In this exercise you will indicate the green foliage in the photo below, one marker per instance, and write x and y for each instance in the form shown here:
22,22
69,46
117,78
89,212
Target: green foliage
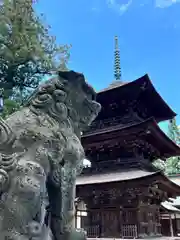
174,132
160,164
27,51
172,165
10,106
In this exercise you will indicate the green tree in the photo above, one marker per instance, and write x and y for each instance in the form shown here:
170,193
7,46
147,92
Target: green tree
173,163
27,51
172,166
160,164
10,106
173,131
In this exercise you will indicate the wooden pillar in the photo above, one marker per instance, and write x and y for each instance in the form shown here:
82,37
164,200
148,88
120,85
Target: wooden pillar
120,221
175,220
138,220
75,215
101,227
74,207
171,225
141,219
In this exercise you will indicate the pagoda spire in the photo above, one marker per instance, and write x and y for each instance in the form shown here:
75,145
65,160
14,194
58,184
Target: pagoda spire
117,68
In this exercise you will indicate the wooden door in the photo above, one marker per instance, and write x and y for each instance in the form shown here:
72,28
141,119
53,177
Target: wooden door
110,226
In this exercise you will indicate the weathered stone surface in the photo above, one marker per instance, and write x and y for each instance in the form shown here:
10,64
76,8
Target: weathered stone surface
41,155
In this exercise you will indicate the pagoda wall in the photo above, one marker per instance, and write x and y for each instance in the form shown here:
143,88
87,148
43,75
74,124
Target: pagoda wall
119,155
116,119
120,210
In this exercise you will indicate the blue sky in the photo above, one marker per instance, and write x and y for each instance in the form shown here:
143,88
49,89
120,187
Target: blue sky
149,40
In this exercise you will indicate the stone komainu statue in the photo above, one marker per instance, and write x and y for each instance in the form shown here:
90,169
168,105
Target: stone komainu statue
41,155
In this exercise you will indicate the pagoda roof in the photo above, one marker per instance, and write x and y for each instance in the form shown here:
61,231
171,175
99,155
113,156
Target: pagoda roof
176,202
169,206
148,131
143,88
113,85
113,177
128,176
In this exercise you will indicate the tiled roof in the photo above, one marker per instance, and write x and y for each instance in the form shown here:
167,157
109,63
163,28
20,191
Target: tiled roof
176,180
112,177
176,201
141,86
114,84
170,207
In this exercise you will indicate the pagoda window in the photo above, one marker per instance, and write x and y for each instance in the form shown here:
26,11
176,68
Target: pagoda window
144,216
129,215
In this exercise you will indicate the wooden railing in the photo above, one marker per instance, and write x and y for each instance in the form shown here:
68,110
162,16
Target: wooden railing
93,231
129,231
149,229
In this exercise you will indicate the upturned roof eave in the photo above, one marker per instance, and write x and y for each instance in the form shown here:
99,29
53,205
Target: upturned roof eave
140,81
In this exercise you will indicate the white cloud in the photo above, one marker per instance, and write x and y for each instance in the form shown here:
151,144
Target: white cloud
119,7
165,3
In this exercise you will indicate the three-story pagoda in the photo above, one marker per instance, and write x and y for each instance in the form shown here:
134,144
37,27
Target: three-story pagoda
122,189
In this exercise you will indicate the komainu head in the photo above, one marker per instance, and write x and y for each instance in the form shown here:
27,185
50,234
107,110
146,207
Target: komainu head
66,96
